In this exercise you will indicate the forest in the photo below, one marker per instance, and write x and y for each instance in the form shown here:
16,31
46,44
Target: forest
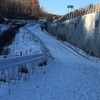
15,8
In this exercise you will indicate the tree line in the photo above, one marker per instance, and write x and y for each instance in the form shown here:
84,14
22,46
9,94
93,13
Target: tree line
19,7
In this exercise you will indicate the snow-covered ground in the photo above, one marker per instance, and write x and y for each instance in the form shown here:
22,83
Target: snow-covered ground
25,43
4,27
69,76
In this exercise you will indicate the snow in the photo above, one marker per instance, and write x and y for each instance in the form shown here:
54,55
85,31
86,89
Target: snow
4,27
16,21
69,76
25,43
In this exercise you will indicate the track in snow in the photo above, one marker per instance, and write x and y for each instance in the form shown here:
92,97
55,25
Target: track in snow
77,77
68,77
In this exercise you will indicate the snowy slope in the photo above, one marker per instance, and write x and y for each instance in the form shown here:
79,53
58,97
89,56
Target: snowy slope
4,27
24,43
68,76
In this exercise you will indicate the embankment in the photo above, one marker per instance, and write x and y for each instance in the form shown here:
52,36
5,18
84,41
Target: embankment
79,29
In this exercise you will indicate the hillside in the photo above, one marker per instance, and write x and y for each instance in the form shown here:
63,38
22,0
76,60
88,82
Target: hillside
27,9
68,76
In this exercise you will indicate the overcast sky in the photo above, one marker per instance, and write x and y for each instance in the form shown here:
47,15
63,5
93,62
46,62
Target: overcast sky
60,6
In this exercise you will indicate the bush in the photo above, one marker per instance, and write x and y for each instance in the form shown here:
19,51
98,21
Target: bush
23,69
1,20
42,63
2,80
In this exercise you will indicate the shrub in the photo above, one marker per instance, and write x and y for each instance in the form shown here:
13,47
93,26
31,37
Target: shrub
2,80
1,20
42,63
23,69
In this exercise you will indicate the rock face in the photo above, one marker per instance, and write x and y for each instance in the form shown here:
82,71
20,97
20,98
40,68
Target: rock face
81,31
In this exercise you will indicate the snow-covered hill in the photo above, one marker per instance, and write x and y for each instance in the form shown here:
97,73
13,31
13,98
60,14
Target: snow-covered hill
69,76
25,43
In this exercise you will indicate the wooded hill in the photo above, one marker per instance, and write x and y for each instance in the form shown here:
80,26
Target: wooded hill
22,9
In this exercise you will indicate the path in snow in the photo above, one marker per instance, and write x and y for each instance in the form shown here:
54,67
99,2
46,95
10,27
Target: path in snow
74,77
68,77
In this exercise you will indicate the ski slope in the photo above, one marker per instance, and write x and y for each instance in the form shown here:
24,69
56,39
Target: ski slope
68,76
